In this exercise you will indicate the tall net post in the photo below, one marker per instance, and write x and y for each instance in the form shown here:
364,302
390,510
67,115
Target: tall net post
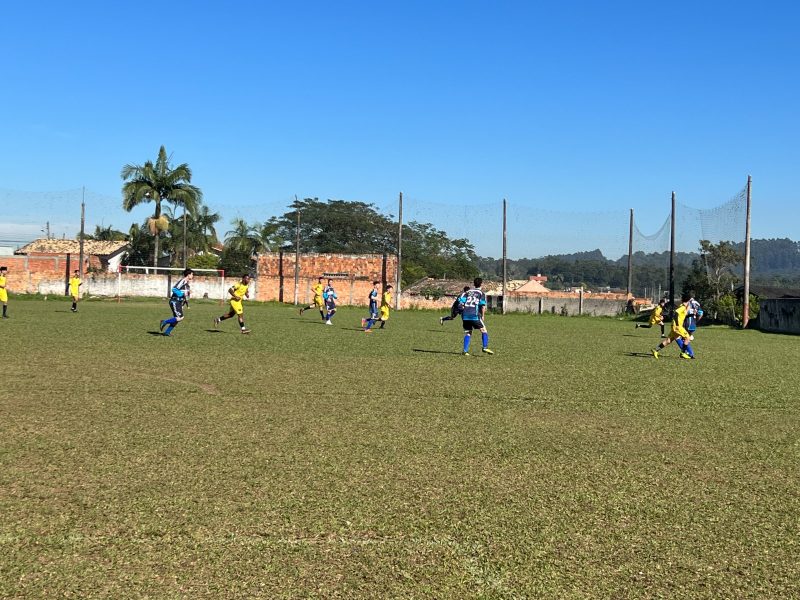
746,307
505,257
630,256
672,256
399,251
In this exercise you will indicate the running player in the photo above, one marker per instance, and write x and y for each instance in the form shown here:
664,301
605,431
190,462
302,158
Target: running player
678,333
4,290
319,301
238,292
329,295
456,308
656,317
373,306
177,300
75,284
693,315
386,303
472,316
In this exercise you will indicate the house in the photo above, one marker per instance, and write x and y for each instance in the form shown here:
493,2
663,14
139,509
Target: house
98,255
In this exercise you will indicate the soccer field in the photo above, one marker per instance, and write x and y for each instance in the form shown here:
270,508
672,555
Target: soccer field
307,461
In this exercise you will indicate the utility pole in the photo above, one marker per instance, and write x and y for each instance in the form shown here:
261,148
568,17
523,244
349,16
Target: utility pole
399,253
630,256
505,257
184,234
297,256
746,309
83,221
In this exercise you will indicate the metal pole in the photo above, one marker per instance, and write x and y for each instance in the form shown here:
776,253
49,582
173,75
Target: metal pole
505,257
672,256
746,309
399,253
297,256
83,221
630,257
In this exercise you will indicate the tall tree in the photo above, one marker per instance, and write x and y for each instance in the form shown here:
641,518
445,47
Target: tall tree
158,182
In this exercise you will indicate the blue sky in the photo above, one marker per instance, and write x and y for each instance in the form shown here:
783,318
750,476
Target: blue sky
577,106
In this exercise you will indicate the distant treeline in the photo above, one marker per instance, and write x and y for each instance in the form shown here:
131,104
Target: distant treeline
773,262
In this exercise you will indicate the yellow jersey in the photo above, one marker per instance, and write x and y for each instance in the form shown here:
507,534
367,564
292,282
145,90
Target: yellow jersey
317,289
386,300
74,285
677,323
2,282
656,315
3,291
239,290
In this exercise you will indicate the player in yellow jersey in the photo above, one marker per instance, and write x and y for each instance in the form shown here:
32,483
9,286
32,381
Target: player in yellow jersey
319,301
386,302
656,317
75,284
678,333
4,290
238,292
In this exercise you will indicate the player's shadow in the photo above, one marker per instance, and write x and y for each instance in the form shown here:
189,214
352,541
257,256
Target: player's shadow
158,333
629,335
640,354
436,351
214,331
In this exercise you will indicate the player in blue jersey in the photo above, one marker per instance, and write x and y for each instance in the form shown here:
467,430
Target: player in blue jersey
329,295
693,315
472,315
456,308
374,294
177,300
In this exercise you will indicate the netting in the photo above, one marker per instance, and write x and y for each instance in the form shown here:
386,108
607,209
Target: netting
722,223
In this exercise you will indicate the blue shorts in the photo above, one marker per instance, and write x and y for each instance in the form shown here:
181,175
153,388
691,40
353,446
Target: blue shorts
176,305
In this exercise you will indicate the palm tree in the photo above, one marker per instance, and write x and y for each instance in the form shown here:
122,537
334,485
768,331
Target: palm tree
243,237
157,183
205,221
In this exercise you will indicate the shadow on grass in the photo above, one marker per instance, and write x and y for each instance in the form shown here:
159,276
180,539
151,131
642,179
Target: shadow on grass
214,331
436,351
158,333
641,355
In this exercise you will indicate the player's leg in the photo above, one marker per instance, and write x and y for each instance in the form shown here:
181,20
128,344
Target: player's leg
485,338
467,337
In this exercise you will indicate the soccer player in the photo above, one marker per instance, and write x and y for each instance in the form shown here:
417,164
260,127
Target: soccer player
238,292
319,301
656,317
678,333
177,300
456,308
4,291
329,295
386,303
693,315
474,302
373,306
74,289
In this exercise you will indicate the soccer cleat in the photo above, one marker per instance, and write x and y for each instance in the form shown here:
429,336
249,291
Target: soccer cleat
465,354
301,311
637,326
167,334
441,320
328,322
487,351
654,353
368,331
363,322
685,355
162,325
216,322
245,331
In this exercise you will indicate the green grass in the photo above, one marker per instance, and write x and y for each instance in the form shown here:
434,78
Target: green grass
309,461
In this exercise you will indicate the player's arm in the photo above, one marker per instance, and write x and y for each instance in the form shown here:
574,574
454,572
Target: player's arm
233,294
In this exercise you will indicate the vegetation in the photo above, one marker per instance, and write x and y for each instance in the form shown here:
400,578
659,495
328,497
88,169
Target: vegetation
159,182
306,461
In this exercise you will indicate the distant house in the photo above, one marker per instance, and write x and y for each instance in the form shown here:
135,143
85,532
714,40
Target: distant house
98,255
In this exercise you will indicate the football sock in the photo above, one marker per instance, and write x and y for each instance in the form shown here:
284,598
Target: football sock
370,323
485,338
467,338
383,324
74,305
5,306
169,329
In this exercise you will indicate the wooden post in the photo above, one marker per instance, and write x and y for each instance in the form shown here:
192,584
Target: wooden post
66,277
297,257
672,256
746,308
505,257
83,220
399,253
280,275
630,257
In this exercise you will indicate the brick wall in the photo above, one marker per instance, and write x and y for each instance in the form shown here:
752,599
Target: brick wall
352,275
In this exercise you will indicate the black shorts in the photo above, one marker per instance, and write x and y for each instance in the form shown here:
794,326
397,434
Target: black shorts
177,307
470,324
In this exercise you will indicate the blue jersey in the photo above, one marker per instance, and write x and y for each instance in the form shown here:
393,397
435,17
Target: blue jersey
180,291
473,302
373,301
329,295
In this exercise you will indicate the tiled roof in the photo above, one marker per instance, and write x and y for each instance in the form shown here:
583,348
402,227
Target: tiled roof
93,247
